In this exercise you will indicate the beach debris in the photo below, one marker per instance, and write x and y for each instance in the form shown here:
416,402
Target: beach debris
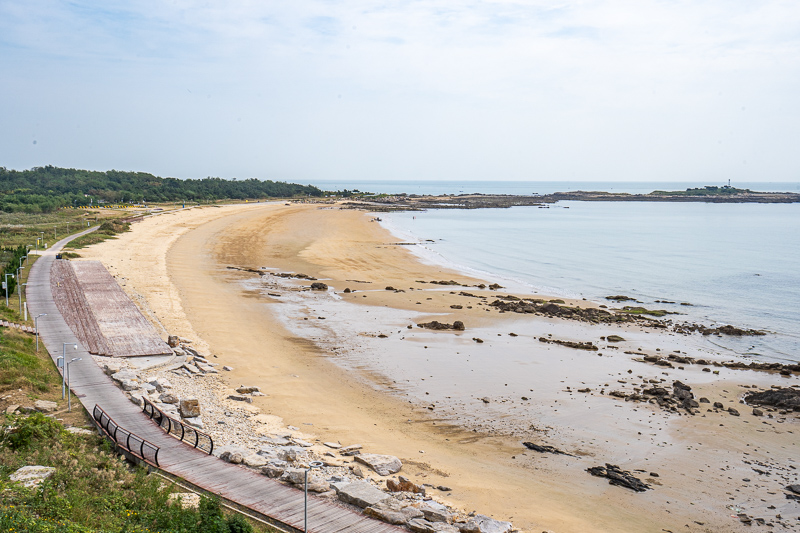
545,449
571,344
189,407
435,324
403,484
319,286
384,465
360,494
619,477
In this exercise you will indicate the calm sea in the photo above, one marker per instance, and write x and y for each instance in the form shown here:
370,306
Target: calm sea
735,263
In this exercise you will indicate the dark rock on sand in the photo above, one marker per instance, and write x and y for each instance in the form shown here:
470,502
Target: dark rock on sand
617,476
457,325
545,449
785,398
319,286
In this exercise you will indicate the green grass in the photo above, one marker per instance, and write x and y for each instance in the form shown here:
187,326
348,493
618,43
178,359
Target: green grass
92,489
20,366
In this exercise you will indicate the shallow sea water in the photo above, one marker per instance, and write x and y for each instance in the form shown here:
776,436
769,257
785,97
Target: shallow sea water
734,263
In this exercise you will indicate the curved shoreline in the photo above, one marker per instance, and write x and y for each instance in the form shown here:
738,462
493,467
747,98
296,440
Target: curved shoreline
236,324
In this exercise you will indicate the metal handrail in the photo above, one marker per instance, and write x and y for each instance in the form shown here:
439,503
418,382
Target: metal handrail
179,430
137,446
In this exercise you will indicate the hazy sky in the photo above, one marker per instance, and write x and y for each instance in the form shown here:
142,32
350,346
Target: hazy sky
302,90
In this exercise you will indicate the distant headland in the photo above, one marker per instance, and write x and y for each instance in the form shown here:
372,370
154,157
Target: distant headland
411,202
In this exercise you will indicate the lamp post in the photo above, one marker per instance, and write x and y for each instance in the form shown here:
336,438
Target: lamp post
63,365
69,397
36,327
5,286
313,465
20,296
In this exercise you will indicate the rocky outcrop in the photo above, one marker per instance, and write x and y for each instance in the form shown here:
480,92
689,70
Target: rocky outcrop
619,477
457,325
782,398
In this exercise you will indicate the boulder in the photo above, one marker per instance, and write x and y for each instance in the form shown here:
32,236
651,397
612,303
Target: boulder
231,456
173,341
111,368
247,390
168,397
240,398
32,476
272,471
44,406
432,514
490,525
129,384
318,286
386,515
161,384
361,494
124,375
384,465
420,525
194,421
189,407
254,460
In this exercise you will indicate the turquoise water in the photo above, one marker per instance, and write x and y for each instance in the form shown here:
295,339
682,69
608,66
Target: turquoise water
735,263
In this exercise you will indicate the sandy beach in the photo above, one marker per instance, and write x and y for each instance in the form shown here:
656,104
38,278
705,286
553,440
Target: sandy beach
345,367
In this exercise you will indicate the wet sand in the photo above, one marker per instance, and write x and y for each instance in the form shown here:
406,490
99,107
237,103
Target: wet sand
353,386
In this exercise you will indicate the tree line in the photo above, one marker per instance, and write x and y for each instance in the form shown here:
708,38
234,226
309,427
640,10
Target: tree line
45,189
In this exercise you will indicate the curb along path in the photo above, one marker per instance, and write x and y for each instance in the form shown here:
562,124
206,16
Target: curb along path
282,505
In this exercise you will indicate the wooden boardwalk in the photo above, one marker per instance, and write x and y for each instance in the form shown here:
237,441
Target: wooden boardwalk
283,505
97,309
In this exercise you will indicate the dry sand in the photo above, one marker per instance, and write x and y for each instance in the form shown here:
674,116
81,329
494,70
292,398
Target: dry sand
176,268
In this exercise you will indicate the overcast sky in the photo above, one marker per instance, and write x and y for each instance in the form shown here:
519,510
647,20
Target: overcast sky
304,90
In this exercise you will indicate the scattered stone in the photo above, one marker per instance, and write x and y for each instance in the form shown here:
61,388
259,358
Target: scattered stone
403,484
386,515
361,494
489,525
247,390
758,412
161,384
168,397
334,445
435,324
319,286
254,460
733,411
32,476
227,368
11,409
433,514
194,421
189,407
351,448
272,471
617,476
420,525
614,338
173,341
384,465
240,398
44,406
232,456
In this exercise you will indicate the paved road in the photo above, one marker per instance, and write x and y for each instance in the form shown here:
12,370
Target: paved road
284,505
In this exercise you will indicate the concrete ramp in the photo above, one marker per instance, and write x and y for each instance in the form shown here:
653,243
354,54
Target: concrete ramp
99,312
